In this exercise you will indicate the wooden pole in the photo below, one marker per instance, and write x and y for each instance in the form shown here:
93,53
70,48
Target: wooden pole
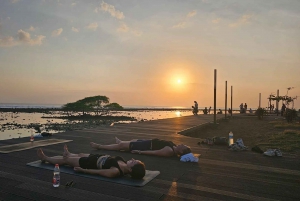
225,99
215,96
259,100
231,101
277,103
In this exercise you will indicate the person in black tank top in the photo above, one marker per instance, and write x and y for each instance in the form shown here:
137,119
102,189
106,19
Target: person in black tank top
157,147
104,165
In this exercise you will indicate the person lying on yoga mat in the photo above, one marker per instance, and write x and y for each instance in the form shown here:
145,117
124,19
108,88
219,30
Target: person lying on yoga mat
104,165
155,147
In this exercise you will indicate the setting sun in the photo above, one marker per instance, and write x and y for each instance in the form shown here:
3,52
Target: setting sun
179,81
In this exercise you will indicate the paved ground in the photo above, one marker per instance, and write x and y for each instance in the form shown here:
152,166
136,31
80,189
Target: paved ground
219,175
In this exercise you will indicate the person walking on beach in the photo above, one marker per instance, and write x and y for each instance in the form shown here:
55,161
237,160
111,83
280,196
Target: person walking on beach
103,165
195,108
155,147
209,109
245,107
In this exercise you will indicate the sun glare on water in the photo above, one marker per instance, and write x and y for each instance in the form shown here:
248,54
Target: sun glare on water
178,114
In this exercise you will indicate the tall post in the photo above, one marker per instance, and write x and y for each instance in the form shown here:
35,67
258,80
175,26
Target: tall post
215,97
277,103
231,102
225,99
259,100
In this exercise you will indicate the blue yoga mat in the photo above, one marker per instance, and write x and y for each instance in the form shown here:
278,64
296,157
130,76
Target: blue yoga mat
126,180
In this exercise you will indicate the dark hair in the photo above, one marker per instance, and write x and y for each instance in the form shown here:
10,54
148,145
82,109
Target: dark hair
138,171
187,150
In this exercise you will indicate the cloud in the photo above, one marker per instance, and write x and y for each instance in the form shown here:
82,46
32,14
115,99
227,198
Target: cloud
92,26
123,28
192,13
14,1
31,28
216,21
180,25
73,4
7,42
24,37
242,21
136,32
57,32
74,29
111,9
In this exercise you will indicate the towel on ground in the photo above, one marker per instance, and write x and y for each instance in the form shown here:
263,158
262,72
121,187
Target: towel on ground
189,158
238,145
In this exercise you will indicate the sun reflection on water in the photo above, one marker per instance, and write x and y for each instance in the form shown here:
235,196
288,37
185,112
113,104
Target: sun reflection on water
178,113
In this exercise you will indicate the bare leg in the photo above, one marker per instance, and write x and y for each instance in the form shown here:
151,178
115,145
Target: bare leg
121,146
72,161
118,141
68,154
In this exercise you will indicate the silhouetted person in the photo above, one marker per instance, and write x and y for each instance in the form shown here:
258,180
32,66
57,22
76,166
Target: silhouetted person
229,111
241,108
195,108
283,109
220,112
209,110
205,110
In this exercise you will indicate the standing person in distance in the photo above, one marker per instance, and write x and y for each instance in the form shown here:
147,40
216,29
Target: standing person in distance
195,108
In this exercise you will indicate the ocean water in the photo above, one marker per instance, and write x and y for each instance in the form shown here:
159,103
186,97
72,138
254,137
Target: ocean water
15,125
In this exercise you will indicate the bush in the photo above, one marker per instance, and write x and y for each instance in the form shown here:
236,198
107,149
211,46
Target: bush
290,115
260,113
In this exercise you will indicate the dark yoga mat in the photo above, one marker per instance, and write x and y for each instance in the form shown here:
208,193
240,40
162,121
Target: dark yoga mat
126,180
29,145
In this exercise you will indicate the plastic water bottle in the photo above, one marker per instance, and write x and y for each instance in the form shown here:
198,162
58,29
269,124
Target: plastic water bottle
56,176
230,138
31,137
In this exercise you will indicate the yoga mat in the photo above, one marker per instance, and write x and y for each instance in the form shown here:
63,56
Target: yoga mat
125,180
30,145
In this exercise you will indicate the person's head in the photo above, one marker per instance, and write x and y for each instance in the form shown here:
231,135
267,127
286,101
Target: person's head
182,149
138,169
195,101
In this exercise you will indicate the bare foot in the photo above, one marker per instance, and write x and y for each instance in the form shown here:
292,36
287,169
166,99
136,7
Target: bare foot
118,140
94,145
41,155
66,153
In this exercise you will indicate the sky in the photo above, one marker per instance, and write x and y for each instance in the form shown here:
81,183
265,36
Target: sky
149,53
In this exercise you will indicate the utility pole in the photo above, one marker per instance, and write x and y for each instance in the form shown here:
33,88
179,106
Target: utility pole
231,101
225,99
215,96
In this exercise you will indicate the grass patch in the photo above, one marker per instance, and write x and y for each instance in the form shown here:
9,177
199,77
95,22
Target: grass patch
287,126
288,140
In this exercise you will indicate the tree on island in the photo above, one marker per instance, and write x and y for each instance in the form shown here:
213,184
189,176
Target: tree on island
93,103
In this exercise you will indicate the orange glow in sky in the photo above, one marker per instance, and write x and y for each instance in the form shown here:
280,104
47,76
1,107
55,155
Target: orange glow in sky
149,53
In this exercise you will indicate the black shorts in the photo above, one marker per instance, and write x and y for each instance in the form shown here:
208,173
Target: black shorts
89,162
141,145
